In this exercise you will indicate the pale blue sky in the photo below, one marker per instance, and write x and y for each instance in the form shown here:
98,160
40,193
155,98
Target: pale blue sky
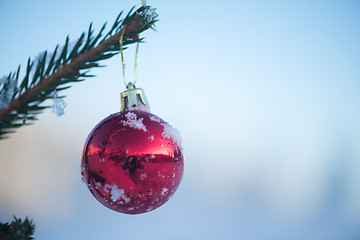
264,93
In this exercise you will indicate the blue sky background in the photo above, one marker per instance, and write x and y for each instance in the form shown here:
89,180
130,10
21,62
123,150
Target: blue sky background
264,93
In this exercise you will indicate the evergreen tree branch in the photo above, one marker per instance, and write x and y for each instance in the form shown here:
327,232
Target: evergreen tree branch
17,229
21,103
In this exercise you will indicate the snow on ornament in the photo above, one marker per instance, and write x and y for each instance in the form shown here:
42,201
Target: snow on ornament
132,161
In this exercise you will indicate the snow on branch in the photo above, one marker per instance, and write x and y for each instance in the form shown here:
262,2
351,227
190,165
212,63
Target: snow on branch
53,72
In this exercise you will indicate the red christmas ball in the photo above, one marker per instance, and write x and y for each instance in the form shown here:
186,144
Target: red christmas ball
132,161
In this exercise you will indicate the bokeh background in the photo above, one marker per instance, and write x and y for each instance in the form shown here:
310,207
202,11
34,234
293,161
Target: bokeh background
265,94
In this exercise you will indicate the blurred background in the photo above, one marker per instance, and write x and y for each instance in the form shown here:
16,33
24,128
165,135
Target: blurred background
264,93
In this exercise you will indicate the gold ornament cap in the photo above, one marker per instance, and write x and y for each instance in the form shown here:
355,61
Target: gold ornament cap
132,97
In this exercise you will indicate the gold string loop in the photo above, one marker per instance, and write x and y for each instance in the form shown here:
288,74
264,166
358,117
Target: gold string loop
136,59
122,54
123,62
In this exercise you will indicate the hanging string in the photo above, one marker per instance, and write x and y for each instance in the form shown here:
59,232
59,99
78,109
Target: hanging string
122,57
136,59
122,54
136,53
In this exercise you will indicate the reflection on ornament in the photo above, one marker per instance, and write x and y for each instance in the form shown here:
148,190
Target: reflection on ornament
132,161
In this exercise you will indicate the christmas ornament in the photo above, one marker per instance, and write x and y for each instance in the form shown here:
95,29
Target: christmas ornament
132,161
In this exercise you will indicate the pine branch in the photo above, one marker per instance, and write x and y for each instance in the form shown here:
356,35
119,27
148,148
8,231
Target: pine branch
21,103
17,229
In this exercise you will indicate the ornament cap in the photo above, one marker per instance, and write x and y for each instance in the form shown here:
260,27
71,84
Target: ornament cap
132,97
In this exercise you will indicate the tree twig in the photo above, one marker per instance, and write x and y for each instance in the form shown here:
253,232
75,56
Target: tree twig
70,66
